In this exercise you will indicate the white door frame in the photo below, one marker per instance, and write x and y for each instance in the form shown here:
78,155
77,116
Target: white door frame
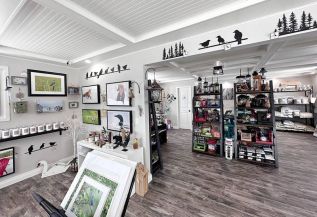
178,110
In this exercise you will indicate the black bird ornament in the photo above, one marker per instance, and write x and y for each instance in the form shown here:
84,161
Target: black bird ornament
205,44
42,146
30,149
119,68
221,40
238,36
106,71
125,67
87,75
52,143
112,70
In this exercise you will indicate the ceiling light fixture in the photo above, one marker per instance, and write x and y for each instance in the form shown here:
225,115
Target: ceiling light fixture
88,61
218,68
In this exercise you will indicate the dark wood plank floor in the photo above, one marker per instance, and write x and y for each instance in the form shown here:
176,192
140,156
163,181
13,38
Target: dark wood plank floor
198,185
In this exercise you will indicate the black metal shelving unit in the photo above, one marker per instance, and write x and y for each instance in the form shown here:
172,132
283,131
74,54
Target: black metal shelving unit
34,134
201,140
308,107
155,141
261,148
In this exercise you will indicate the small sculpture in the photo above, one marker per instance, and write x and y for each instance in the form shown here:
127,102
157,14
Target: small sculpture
135,143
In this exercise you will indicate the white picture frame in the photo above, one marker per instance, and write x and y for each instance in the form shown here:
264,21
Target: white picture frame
97,166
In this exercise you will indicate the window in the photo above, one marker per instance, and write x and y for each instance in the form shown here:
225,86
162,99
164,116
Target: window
4,95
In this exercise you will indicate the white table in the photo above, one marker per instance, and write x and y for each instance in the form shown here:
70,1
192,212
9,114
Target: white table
83,147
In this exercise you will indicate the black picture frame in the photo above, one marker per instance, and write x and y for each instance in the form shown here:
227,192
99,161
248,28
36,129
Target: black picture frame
97,97
120,111
98,121
13,159
30,83
127,93
71,105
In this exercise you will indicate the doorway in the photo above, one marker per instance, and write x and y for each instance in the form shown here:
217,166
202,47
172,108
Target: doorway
185,114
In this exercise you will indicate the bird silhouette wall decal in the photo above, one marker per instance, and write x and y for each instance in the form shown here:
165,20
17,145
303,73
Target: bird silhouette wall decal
42,146
205,44
238,36
52,143
125,67
30,149
221,40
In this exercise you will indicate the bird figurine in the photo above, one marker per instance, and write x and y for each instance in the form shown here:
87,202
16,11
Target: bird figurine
30,149
42,146
52,143
125,67
96,73
238,36
205,44
87,75
54,170
112,70
106,71
119,68
221,40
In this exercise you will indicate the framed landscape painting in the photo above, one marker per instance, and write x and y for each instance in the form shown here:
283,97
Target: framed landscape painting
42,83
91,94
117,119
91,116
7,162
118,93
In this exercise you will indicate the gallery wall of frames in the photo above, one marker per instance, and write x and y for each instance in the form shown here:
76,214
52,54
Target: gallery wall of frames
43,98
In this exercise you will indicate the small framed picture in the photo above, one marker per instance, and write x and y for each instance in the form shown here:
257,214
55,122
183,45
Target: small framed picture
7,162
73,90
16,80
118,93
91,94
73,105
91,116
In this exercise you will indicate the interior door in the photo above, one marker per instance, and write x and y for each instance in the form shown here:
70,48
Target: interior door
185,107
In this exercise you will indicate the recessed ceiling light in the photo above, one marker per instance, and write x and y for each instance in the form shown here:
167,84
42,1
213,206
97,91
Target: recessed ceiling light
88,61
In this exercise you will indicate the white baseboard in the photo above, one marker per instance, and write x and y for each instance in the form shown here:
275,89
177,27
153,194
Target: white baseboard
28,174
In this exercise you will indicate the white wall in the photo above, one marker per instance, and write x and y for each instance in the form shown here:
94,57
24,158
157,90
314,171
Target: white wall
25,162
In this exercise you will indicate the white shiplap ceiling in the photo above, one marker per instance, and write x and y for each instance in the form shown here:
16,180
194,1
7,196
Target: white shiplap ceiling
74,30
63,31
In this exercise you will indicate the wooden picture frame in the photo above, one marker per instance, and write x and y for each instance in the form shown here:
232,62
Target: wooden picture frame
118,118
43,83
7,161
117,93
91,116
91,94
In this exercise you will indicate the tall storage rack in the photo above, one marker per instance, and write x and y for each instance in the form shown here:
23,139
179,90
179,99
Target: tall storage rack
307,107
249,147
204,129
155,141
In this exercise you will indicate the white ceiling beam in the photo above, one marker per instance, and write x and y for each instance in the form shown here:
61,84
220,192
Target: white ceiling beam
98,52
175,66
227,8
271,50
21,53
88,19
11,17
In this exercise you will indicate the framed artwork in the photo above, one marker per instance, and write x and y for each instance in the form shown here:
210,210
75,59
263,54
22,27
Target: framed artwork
118,93
116,119
7,162
17,80
91,94
48,106
91,116
73,90
100,187
41,83
73,105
